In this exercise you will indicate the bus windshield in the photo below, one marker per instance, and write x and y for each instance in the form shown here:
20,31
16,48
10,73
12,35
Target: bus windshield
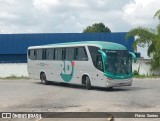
118,62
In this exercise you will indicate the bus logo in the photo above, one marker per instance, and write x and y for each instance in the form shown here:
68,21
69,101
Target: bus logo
67,70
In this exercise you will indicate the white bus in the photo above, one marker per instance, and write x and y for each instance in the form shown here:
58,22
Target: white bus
91,63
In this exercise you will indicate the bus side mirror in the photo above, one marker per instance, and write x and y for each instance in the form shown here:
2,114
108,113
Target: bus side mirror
134,56
104,56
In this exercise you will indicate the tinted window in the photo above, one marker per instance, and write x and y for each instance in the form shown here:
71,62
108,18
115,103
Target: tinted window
63,53
35,54
58,54
99,63
118,62
31,54
44,54
39,54
94,52
50,54
69,54
80,54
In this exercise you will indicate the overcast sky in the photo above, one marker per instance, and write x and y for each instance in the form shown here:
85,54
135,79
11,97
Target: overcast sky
72,16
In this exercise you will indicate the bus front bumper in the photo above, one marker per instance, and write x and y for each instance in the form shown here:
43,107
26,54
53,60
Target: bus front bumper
118,82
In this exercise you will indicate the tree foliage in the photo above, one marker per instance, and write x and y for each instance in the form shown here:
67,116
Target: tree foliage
144,36
97,27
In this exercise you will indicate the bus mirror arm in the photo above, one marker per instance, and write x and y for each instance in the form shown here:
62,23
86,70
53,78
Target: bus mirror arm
134,56
104,56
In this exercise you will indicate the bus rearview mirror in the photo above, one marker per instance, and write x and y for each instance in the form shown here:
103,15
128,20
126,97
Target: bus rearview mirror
134,56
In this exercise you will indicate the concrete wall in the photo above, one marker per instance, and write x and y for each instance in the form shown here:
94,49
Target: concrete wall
144,67
16,69
20,69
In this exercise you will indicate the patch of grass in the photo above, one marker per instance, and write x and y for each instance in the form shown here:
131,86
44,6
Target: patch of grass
13,77
144,76
137,75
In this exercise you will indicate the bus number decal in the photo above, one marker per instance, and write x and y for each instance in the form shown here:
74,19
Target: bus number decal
67,69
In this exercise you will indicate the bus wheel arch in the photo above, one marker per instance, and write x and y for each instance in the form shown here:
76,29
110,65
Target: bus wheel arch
43,78
86,81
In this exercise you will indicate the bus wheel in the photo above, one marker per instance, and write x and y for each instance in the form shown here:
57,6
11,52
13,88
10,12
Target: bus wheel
88,83
43,79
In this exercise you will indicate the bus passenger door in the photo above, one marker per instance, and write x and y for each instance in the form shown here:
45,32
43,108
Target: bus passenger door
99,63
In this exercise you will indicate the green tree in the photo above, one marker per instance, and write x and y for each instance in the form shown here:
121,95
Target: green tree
97,27
148,37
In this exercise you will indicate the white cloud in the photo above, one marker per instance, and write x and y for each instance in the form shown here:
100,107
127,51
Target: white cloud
42,16
141,12
8,16
45,5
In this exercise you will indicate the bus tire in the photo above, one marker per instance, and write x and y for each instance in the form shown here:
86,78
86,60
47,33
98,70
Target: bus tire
43,79
88,83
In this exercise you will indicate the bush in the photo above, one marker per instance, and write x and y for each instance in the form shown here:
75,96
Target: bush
135,72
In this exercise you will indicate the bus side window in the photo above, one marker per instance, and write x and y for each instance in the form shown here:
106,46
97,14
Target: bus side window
44,54
69,54
99,64
76,54
35,55
50,54
63,53
81,54
58,54
55,54
39,54
31,54
94,52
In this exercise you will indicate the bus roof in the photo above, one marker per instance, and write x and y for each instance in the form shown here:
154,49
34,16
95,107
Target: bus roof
100,44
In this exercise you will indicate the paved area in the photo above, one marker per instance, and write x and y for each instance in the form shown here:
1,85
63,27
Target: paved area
31,96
